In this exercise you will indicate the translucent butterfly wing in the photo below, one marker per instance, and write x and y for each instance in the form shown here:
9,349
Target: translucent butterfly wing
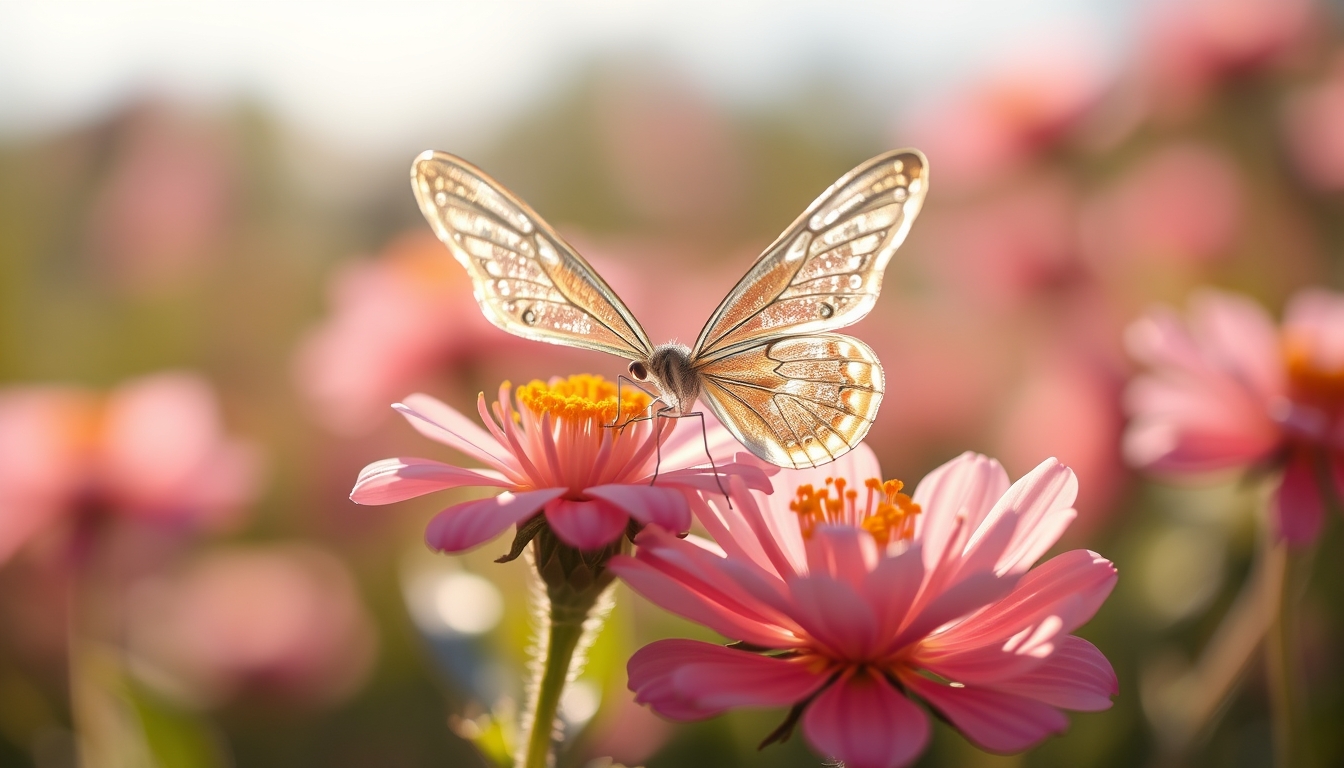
825,271
799,401
527,280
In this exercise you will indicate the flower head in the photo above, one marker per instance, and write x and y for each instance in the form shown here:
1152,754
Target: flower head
154,450
552,448
1228,390
853,600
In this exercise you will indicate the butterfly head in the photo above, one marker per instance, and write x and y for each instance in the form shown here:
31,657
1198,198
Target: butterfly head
669,369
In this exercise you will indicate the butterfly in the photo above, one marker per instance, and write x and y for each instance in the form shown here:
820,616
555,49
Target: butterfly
765,363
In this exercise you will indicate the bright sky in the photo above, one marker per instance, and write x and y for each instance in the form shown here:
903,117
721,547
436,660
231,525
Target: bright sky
377,75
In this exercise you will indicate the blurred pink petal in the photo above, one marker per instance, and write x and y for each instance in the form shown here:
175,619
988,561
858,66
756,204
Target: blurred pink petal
1195,45
280,620
1025,105
1314,127
554,438
992,720
888,586
395,322
153,450
1229,392
1182,203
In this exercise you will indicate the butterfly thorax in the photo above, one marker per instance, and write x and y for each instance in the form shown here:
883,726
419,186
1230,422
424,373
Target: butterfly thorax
670,369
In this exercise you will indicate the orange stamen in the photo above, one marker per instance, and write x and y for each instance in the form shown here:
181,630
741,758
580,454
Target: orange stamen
887,514
582,397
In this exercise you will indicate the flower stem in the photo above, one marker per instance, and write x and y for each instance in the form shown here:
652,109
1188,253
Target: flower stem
577,600
562,641
1282,670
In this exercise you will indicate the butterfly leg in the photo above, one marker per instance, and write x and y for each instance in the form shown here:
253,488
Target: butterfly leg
621,378
666,413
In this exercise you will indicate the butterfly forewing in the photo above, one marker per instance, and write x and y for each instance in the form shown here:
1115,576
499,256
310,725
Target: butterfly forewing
825,271
527,280
799,401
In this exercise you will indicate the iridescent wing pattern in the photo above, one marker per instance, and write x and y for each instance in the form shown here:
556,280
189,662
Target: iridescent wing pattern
825,271
797,401
527,280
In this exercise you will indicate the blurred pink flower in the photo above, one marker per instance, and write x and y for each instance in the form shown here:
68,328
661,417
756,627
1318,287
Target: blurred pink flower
395,321
1193,45
1228,390
1011,248
853,598
279,620
1314,123
167,199
1069,404
1182,203
1024,106
555,454
153,450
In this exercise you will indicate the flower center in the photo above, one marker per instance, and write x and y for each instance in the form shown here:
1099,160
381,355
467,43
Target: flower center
582,397
886,513
1309,380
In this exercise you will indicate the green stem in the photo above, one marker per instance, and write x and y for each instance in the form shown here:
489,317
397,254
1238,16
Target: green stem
577,588
562,641
1282,672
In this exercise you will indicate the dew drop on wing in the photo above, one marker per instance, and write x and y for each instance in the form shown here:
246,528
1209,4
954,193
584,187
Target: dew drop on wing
529,316
826,310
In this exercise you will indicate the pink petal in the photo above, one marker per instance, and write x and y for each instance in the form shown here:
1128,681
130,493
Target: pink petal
957,495
966,596
1240,337
586,525
1071,587
443,424
842,552
992,720
691,680
864,722
834,614
1195,425
1076,676
391,480
1298,509
648,504
471,523
891,588
704,479
734,599
855,467
1048,489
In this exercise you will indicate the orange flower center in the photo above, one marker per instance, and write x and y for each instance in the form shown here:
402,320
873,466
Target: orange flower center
582,397
1308,380
886,513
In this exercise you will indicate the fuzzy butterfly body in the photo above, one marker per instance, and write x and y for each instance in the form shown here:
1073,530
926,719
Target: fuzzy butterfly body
766,363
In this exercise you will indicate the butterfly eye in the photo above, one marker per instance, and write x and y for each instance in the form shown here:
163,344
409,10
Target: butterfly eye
638,371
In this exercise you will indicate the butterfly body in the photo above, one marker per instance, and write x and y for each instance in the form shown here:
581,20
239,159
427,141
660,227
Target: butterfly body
766,362
671,369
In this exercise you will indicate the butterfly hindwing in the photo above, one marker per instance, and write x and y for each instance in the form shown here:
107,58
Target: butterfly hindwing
798,401
527,280
825,271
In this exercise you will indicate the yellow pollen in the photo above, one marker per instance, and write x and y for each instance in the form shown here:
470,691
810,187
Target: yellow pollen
887,514
582,396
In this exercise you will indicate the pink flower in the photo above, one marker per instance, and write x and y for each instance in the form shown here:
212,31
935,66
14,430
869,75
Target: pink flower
1181,203
152,450
1026,105
1193,45
283,620
555,454
1231,391
395,321
850,610
1314,123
